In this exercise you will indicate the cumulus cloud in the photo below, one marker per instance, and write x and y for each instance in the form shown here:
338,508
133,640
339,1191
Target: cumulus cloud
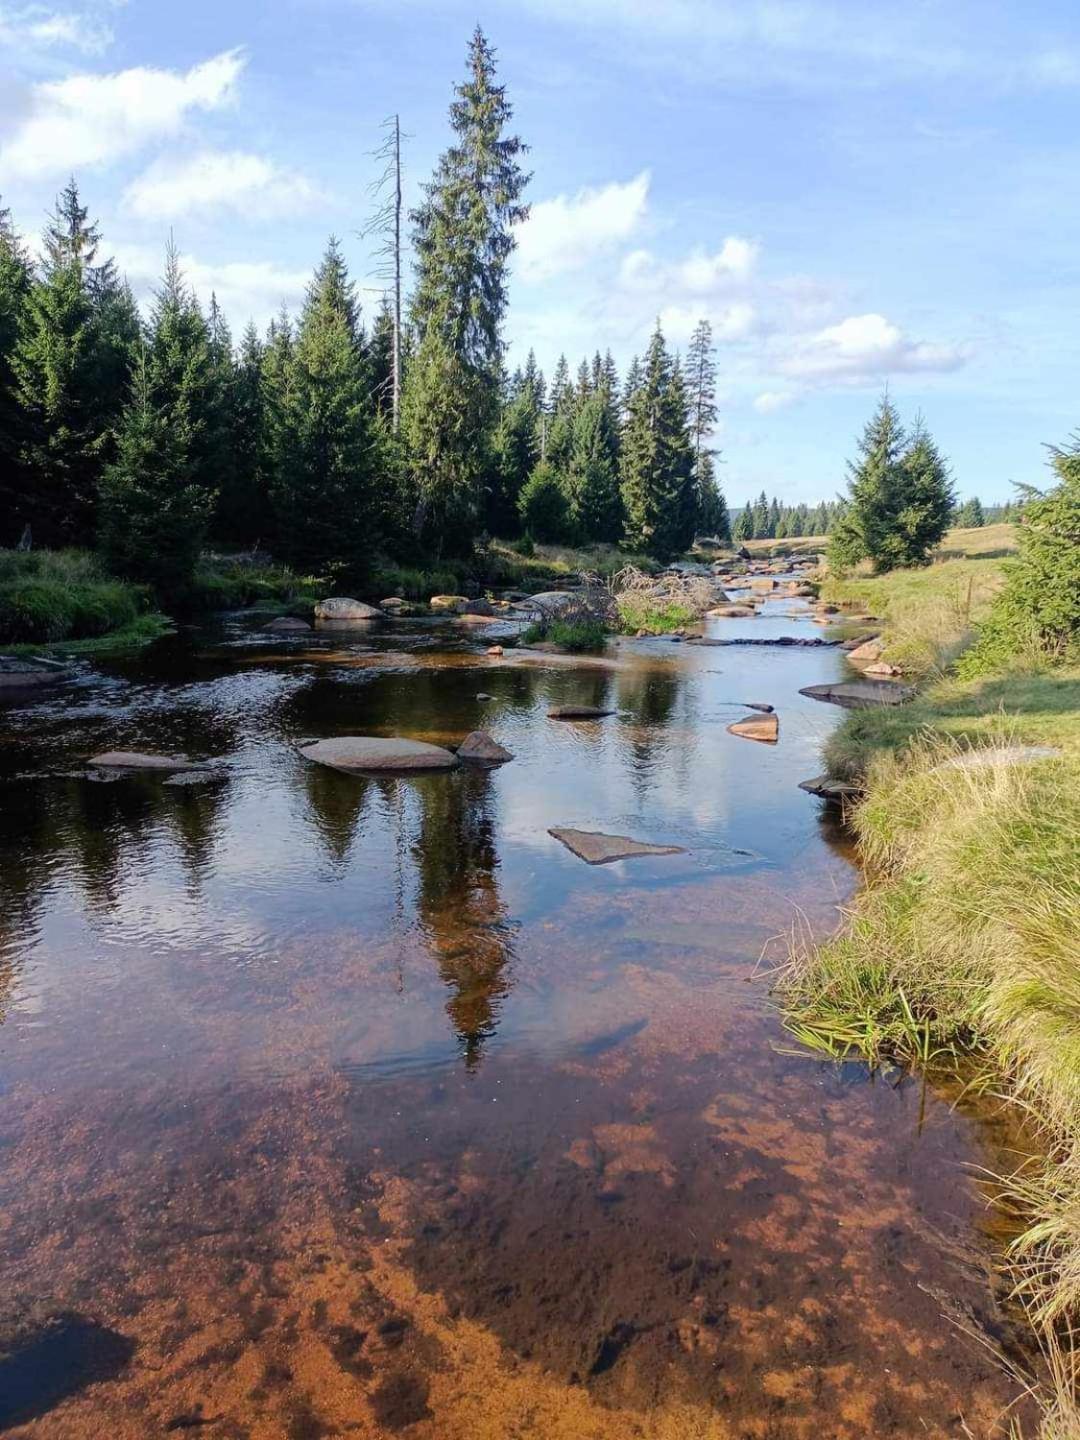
245,289
219,180
87,120
565,233
700,273
862,348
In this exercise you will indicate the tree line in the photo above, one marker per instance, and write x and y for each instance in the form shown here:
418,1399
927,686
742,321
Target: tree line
154,437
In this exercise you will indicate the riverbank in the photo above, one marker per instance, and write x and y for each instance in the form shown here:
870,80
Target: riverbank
962,947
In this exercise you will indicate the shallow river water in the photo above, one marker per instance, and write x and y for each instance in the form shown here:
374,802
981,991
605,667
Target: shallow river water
334,1106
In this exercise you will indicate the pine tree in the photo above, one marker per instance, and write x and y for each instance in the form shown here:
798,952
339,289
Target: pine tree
875,482
544,507
561,392
971,516
657,459
381,359
743,529
925,503
244,515
593,478
774,517
516,452
322,486
701,384
65,435
159,494
463,238
15,281
761,517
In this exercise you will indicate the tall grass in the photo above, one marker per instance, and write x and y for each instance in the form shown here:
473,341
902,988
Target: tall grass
51,595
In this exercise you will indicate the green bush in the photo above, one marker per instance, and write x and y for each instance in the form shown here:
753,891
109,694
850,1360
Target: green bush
572,635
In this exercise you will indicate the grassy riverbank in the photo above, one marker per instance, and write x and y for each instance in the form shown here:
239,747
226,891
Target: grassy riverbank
965,941
48,596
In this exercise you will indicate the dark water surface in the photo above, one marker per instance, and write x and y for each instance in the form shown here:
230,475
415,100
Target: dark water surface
334,1106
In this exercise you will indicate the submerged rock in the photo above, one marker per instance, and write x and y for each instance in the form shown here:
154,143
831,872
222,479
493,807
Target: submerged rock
377,753
764,727
480,748
861,694
196,777
136,760
578,712
342,608
288,624
596,848
759,705
19,673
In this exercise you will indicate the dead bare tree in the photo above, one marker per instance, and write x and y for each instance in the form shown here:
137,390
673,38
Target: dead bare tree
385,225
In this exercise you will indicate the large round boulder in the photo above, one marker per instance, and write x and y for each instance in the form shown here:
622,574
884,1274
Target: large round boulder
376,754
340,607
449,604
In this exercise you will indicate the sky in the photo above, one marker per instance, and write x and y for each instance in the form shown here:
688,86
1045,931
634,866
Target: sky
853,194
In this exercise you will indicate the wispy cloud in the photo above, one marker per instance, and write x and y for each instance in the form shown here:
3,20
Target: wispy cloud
42,27
245,289
864,348
89,120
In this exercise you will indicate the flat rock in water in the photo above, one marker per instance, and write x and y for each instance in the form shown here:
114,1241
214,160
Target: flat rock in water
342,608
376,753
827,788
595,848
480,748
730,612
803,642
866,652
136,760
17,673
449,604
765,728
861,694
287,624
578,712
759,705
196,777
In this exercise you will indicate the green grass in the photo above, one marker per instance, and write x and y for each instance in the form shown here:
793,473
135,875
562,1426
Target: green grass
653,614
559,562
575,636
228,583
141,631
52,595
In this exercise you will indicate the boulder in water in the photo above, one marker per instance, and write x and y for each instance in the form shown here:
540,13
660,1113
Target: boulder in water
449,604
596,848
340,607
19,673
828,788
867,652
288,624
378,754
481,749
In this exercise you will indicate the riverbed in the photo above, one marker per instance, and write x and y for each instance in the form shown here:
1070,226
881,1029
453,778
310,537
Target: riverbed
341,1106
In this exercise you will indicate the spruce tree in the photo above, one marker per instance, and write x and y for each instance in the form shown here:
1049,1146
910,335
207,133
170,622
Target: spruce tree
15,280
381,359
544,506
657,461
701,386
593,477
322,485
925,503
761,517
463,238
971,516
158,496
515,454
743,529
244,516
65,434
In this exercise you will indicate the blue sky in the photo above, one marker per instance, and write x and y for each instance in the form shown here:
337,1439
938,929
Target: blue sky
853,193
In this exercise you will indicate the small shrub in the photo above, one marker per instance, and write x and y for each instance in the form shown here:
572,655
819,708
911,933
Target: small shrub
47,596
573,635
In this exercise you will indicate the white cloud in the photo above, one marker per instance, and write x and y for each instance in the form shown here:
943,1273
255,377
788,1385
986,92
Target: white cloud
769,401
215,180
565,233
36,25
862,348
245,289
700,273
93,119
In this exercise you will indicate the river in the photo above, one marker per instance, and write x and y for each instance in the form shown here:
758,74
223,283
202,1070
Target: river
334,1106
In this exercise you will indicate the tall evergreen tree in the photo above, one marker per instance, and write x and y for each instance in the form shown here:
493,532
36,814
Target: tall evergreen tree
657,461
463,238
66,421
322,486
701,387
244,515
593,476
15,281
743,529
971,515
761,517
158,496
516,451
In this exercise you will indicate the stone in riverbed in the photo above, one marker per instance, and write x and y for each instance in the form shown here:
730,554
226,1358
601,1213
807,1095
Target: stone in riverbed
136,760
288,624
17,673
596,848
730,612
828,788
759,705
481,749
867,652
578,712
861,694
377,754
882,667
341,607
494,650
449,604
765,728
